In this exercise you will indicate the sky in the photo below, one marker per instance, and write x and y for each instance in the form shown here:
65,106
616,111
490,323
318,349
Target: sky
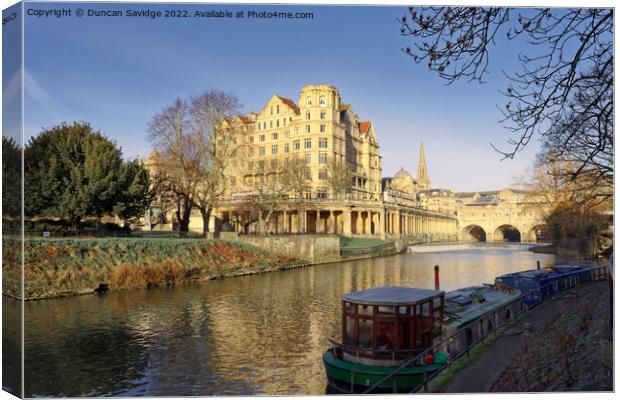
117,72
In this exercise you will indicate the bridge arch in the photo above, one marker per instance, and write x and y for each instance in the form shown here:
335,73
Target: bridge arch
507,233
472,233
539,233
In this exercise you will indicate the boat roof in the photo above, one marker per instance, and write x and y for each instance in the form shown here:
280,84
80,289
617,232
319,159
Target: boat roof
391,295
466,312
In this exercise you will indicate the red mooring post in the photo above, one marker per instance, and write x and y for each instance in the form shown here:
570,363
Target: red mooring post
436,277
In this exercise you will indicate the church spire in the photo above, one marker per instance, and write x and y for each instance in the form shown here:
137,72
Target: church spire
423,180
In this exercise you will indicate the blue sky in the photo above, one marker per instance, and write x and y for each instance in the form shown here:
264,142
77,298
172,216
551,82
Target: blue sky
117,72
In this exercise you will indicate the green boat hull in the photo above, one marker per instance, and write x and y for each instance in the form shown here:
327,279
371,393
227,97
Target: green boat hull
350,377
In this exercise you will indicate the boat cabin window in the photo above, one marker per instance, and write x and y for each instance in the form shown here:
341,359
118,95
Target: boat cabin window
365,334
403,310
364,309
349,331
387,309
349,307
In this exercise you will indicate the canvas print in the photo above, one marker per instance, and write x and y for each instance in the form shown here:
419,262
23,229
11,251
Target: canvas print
211,199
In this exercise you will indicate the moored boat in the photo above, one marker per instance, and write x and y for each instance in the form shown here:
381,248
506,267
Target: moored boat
387,333
382,328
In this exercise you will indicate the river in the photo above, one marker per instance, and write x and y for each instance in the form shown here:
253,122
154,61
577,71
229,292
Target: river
258,334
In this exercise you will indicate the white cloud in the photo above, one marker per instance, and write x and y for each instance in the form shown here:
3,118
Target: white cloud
36,92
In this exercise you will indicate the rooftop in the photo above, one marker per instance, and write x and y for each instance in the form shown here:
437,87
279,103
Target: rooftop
391,295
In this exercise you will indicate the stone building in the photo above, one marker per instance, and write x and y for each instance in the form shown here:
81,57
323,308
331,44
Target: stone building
320,129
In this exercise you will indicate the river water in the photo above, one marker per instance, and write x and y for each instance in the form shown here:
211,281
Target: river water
259,334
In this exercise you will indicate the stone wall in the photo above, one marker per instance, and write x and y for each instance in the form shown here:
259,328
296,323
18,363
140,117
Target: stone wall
312,248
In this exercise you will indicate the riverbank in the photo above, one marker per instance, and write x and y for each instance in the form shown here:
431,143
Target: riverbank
66,267
567,346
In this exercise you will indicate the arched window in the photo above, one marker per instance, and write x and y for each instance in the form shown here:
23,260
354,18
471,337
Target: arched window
309,101
322,101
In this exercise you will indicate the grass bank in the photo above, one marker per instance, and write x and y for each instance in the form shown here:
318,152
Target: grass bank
62,267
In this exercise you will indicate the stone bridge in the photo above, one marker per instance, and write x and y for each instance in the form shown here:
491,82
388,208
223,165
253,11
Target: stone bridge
500,216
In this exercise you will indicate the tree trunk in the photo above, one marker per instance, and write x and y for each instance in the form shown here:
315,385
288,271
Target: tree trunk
183,213
302,220
261,226
206,216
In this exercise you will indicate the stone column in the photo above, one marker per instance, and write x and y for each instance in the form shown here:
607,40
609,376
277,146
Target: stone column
346,219
368,224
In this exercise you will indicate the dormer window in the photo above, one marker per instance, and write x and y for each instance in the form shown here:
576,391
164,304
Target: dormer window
322,101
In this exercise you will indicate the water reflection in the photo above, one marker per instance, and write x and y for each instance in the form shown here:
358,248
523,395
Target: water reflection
11,346
260,334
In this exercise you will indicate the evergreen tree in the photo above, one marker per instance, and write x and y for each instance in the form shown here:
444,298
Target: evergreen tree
11,178
73,172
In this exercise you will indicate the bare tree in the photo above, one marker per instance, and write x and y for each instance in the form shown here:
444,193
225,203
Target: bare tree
268,191
169,131
564,92
297,177
339,176
214,137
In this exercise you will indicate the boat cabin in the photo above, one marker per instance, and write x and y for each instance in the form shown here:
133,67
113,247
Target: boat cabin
390,323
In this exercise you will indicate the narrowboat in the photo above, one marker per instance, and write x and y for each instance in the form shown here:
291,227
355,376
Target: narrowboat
476,311
387,333
382,328
540,284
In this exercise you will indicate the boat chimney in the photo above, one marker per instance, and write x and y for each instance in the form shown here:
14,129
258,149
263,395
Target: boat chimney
436,277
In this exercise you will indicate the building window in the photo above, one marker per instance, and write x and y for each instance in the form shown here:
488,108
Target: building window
308,175
321,192
274,149
264,124
308,158
270,124
286,135
322,101
322,158
277,123
261,165
274,136
286,147
308,115
322,128
323,143
296,131
251,152
261,151
261,138
251,139
250,165
274,164
296,144
322,174
283,121
307,128
271,111
307,143
278,109
308,101
323,114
